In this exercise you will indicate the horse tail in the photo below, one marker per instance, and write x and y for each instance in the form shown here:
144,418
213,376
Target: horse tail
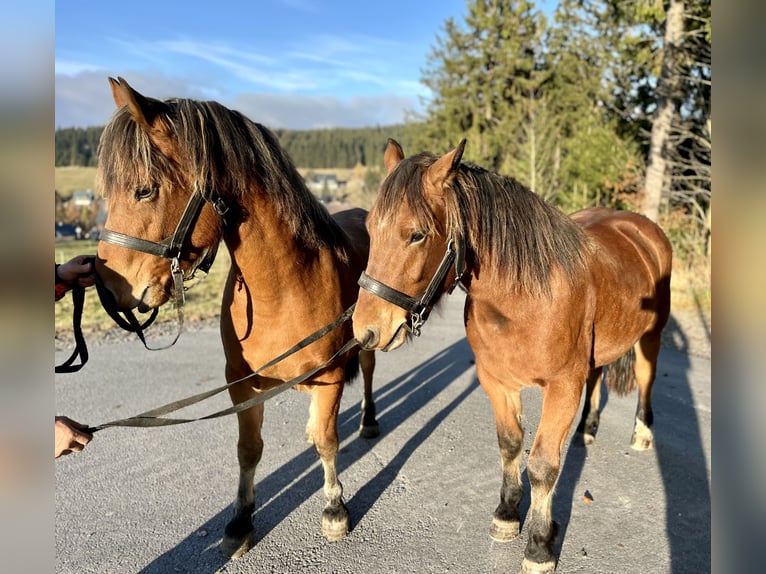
352,368
620,375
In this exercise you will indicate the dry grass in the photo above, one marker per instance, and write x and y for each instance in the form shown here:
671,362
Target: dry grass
690,287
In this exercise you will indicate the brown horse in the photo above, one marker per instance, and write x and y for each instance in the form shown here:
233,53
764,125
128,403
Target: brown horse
550,301
294,266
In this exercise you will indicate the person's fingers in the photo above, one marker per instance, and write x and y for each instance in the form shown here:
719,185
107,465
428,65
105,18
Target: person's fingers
86,281
82,438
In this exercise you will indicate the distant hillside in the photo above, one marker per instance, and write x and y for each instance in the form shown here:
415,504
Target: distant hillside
312,149
70,178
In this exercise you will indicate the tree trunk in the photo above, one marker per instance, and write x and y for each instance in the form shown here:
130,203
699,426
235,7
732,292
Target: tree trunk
667,90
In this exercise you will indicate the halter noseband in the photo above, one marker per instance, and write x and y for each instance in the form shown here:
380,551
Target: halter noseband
419,307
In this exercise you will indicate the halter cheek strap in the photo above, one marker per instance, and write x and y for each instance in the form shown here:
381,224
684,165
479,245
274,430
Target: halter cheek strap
419,307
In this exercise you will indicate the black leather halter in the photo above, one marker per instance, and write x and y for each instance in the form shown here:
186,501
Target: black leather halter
169,248
419,307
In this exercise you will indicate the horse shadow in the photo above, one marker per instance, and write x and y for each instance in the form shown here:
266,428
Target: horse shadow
681,459
281,493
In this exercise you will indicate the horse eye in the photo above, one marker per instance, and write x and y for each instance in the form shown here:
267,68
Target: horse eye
417,237
143,193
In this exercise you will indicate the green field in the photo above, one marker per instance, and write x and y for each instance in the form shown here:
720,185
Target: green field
69,179
203,300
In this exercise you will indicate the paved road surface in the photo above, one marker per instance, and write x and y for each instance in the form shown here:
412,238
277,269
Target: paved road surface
421,496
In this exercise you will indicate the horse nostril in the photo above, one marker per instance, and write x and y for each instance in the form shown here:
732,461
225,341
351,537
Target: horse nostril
370,339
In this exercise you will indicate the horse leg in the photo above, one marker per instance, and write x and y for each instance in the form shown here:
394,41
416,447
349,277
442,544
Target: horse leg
335,520
311,424
561,399
590,412
238,534
510,438
369,427
647,351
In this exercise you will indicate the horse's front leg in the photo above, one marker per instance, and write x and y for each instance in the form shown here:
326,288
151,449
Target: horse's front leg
239,532
326,403
561,399
369,427
506,405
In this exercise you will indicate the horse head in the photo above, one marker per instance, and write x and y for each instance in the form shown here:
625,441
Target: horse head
146,174
414,246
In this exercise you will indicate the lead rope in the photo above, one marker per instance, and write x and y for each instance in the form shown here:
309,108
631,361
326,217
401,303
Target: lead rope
130,322
81,348
153,418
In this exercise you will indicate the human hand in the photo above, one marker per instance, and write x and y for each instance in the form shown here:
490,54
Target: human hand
77,271
69,436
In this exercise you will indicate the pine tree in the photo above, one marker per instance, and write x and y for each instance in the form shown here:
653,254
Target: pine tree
593,162
662,73
483,78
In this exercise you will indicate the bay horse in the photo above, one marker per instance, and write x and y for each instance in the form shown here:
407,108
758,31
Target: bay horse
550,301
294,266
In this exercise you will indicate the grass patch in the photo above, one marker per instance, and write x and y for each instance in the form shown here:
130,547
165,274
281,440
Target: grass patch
71,178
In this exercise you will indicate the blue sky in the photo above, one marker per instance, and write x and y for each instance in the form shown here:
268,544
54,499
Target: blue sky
297,64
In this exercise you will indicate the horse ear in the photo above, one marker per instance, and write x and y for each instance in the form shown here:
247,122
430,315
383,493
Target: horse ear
141,108
444,168
117,94
393,155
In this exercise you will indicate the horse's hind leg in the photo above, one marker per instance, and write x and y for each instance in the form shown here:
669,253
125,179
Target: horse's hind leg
238,535
647,351
591,415
335,520
510,439
369,427
561,399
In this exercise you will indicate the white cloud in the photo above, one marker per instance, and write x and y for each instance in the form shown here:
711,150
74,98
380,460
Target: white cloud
85,100
313,112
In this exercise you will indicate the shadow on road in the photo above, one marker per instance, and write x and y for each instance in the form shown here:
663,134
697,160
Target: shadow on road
681,458
285,489
680,455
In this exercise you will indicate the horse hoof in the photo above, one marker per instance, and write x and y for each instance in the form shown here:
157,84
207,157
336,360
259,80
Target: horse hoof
584,439
335,523
234,548
503,530
369,431
642,443
643,437
335,530
529,567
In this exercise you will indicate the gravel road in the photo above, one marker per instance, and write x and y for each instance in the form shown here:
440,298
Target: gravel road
420,496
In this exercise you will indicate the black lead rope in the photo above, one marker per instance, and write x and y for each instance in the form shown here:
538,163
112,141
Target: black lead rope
81,348
129,322
154,418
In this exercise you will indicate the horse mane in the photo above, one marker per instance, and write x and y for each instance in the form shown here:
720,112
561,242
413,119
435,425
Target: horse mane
511,231
228,154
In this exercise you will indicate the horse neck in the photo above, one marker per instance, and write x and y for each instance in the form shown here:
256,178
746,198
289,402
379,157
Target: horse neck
266,251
